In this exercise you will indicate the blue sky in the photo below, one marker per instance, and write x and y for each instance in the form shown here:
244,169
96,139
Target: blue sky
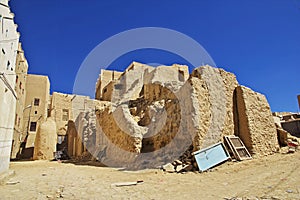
257,40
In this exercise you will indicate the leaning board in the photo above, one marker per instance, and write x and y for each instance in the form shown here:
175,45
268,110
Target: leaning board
211,156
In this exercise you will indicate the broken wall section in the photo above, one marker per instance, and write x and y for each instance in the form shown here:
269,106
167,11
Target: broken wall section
213,91
255,123
45,141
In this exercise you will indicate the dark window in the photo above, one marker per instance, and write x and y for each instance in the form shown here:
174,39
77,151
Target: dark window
60,139
3,51
36,102
118,86
32,126
20,85
35,112
65,114
105,90
16,119
17,78
181,75
8,64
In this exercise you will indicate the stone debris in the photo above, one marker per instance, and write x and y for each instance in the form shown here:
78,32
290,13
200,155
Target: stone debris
168,167
12,182
127,183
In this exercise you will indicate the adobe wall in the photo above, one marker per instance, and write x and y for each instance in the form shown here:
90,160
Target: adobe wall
213,91
119,134
163,110
71,138
37,87
60,103
145,113
200,111
45,141
105,77
9,39
256,126
21,71
108,91
159,112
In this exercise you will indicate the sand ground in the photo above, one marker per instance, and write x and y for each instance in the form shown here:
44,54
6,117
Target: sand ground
272,177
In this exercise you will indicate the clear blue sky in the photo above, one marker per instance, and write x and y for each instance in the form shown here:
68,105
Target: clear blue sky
258,40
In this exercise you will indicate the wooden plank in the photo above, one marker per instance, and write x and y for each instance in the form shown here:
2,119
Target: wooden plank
231,148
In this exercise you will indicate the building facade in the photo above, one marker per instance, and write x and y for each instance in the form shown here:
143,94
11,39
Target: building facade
104,83
65,107
21,76
35,111
9,39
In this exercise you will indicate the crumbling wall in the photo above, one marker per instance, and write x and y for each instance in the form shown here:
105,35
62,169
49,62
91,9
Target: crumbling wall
118,136
107,91
200,111
130,84
61,111
45,141
256,126
105,77
214,91
230,82
120,128
162,112
145,113
75,145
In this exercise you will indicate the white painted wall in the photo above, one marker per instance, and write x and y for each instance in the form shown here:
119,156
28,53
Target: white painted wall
9,39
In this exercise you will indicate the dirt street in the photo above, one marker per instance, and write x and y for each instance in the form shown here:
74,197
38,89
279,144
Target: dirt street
272,177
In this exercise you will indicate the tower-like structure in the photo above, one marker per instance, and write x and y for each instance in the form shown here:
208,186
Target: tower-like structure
9,40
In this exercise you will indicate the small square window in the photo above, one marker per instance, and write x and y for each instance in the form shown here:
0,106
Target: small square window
35,112
36,102
33,126
3,51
